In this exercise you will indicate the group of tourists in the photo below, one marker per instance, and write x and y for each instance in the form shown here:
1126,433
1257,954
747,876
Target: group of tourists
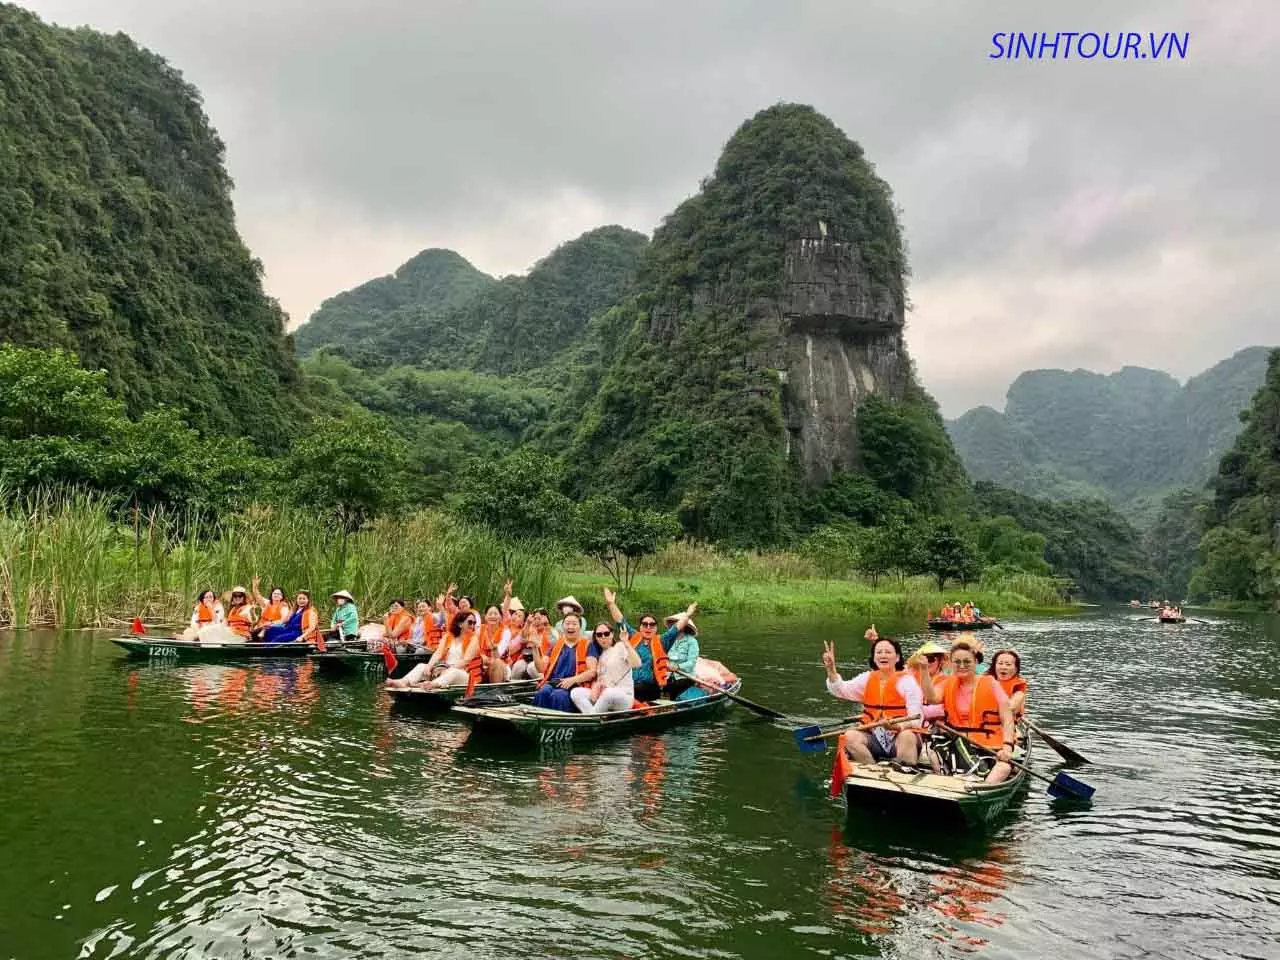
611,667
937,687
246,616
957,613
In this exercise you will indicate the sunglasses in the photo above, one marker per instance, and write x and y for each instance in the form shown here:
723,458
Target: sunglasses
648,623
604,633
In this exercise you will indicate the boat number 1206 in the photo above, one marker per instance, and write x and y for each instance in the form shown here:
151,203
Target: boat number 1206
556,735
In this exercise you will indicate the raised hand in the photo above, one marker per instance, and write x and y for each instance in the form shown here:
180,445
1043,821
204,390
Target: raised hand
609,595
506,588
829,654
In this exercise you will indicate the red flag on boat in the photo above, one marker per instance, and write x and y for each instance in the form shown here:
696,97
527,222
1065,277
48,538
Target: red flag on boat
388,657
839,770
137,628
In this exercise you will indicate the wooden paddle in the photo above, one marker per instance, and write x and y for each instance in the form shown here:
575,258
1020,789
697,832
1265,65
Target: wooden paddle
1061,749
753,707
814,739
1061,786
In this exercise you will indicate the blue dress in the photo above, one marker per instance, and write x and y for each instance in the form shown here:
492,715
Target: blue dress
287,632
552,697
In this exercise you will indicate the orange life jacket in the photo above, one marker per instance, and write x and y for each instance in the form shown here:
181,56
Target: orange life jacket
272,613
398,624
310,625
515,643
580,655
661,666
434,633
240,619
490,636
882,699
474,666
1014,685
204,614
982,723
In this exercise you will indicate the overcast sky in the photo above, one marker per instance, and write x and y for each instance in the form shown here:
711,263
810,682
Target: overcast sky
1067,214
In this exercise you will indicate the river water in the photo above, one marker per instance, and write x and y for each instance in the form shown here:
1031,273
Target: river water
155,810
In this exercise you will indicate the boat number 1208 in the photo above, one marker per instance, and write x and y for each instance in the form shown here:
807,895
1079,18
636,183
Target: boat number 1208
556,735
162,651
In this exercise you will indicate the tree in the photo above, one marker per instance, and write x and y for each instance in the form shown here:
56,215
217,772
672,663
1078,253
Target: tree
1232,567
834,549
1002,542
518,498
948,554
619,538
352,469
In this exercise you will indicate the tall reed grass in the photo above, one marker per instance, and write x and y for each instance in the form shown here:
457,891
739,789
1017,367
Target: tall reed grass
70,560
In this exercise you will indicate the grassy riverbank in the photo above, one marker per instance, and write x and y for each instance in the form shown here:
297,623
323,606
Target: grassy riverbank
69,562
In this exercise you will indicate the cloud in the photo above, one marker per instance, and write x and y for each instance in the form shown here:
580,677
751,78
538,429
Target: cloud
1058,213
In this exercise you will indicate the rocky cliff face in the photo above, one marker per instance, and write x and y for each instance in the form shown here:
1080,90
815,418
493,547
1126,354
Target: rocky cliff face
841,341
770,306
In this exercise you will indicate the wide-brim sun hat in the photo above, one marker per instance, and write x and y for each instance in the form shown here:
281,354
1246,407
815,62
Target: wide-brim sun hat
689,624
235,590
569,601
342,595
930,649
515,604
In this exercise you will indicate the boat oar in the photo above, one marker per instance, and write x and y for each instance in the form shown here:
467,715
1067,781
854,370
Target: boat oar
1061,749
997,624
814,739
753,707
1061,786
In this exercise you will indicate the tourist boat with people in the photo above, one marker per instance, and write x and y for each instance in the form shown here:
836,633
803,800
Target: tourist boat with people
542,726
171,648
961,797
1172,619
938,623
442,698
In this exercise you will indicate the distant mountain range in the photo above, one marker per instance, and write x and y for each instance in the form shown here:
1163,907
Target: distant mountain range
1129,437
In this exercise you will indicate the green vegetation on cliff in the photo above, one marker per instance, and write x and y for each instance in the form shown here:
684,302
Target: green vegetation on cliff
1132,436
119,240
1240,551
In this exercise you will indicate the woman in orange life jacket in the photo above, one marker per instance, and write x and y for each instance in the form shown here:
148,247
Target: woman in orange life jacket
977,707
208,610
398,624
571,663
303,625
511,643
495,668
613,689
240,618
653,671
425,633
1006,667
275,610
885,691
535,636
458,654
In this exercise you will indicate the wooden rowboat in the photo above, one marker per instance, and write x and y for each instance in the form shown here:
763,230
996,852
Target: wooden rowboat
959,798
364,661
986,623
167,648
543,726
446,697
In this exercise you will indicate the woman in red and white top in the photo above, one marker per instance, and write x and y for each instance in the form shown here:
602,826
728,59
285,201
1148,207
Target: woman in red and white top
886,692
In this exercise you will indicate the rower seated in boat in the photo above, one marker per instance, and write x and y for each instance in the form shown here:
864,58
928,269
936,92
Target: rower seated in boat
976,706
345,623
886,691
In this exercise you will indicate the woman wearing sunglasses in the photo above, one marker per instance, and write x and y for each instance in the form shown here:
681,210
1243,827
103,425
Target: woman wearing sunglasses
976,706
652,673
613,689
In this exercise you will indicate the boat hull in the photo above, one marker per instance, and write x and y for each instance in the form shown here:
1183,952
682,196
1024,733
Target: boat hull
446,697
556,727
955,625
362,661
169,649
1173,619
961,800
